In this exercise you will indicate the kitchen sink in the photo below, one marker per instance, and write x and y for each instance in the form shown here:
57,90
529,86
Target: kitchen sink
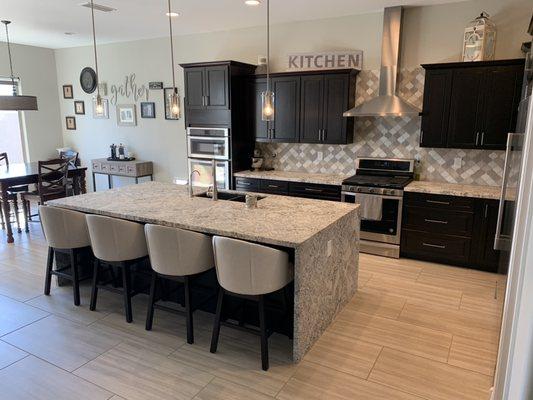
241,198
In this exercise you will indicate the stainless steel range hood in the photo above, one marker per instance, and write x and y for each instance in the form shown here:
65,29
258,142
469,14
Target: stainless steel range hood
387,103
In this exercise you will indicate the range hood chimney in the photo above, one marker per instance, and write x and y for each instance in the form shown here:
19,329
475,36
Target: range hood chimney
387,104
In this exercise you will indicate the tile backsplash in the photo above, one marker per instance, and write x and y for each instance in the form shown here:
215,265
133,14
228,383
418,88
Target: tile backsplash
388,137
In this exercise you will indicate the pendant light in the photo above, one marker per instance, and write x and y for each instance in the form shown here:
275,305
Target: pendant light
267,97
99,108
174,99
15,102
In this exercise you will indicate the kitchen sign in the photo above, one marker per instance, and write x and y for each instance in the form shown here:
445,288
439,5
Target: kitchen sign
326,60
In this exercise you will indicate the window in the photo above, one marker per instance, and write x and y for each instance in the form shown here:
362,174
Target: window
10,130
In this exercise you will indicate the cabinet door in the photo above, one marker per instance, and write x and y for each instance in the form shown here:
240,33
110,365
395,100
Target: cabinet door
336,92
217,88
194,88
312,106
487,258
260,127
501,99
435,112
286,124
465,107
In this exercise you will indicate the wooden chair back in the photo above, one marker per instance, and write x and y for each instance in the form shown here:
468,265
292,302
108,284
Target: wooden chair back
52,179
72,156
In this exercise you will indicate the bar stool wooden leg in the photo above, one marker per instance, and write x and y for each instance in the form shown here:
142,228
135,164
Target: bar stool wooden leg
17,218
188,310
264,335
216,325
75,277
94,290
151,301
49,266
126,285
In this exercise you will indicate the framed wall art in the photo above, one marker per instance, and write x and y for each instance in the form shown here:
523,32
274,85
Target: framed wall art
147,109
70,123
68,93
126,115
79,107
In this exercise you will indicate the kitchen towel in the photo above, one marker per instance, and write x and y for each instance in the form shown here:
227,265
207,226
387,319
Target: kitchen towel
370,206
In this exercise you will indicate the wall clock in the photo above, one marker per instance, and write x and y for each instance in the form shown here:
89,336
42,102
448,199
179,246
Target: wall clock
88,80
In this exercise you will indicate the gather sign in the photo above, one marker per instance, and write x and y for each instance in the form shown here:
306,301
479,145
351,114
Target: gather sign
325,60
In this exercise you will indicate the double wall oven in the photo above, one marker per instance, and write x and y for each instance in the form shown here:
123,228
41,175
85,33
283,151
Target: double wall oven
205,144
378,187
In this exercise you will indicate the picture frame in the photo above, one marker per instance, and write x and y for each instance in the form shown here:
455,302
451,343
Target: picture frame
126,115
105,114
70,123
68,92
147,109
166,94
79,107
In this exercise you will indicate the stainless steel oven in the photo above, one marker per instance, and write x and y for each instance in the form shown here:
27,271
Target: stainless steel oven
211,143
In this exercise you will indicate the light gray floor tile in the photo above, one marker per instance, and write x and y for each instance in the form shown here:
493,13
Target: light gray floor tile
9,354
220,389
21,285
14,315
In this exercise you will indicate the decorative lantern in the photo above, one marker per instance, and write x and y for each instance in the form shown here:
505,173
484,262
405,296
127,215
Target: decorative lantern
479,39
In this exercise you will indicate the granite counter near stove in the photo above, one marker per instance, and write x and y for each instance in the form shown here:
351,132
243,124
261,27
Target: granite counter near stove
454,189
291,176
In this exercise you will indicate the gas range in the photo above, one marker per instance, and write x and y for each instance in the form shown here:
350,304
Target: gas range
378,187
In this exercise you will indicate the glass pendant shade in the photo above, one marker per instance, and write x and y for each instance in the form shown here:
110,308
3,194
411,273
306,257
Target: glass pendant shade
99,110
175,110
267,109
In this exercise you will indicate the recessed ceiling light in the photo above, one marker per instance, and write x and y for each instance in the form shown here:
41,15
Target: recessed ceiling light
252,2
173,14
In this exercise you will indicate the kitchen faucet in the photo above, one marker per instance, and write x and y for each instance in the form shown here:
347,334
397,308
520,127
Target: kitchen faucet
191,190
214,189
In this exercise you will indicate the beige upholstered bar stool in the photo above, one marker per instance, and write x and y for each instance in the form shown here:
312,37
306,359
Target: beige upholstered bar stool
181,256
65,232
117,243
249,271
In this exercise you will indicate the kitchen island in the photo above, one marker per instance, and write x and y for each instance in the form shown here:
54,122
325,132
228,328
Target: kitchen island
322,236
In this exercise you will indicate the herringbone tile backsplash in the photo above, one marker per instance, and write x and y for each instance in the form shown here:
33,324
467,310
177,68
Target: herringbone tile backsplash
388,137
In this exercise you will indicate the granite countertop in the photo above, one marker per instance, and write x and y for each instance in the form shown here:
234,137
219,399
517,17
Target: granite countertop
454,189
292,176
278,220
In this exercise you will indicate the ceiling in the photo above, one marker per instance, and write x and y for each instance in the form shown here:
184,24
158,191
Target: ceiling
44,22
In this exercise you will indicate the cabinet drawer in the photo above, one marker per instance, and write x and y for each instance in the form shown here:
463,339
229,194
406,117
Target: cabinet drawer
247,184
438,220
275,187
436,201
436,247
96,166
104,168
315,191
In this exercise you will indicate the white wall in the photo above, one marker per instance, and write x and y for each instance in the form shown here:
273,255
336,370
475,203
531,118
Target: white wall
37,69
431,34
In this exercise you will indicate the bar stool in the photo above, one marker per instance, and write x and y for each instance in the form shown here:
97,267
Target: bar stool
181,256
117,243
248,271
65,231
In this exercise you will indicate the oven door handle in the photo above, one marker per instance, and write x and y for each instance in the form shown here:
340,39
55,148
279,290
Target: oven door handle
373,194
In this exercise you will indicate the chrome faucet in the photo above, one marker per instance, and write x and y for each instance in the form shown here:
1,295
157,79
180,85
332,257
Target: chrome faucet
214,189
191,191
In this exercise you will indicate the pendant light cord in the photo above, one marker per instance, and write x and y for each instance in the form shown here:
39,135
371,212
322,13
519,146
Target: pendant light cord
171,48
6,23
268,45
95,54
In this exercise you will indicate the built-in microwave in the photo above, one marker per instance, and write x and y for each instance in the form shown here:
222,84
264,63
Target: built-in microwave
208,143
204,177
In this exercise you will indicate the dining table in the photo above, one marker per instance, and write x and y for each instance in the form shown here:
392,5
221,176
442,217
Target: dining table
26,174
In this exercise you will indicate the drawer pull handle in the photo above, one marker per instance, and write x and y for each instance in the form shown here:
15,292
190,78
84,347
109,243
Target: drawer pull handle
313,190
436,221
243,183
438,246
273,186
446,203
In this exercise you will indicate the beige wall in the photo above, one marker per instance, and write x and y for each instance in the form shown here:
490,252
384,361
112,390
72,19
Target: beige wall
431,34
37,69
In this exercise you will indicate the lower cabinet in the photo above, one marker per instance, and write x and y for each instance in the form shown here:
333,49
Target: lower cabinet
297,189
450,230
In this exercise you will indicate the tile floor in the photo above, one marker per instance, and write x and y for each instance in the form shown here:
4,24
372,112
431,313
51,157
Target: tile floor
415,330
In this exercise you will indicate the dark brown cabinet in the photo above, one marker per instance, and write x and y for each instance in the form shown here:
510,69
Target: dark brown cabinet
308,107
450,230
207,87
296,189
470,105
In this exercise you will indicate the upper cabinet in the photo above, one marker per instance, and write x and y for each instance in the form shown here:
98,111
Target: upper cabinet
470,105
308,107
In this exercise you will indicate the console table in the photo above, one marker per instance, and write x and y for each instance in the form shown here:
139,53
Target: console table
130,169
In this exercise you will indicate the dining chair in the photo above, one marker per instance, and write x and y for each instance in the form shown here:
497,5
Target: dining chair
12,195
51,184
73,161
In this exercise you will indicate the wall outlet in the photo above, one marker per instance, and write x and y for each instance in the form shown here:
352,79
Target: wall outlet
329,248
457,162
319,156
